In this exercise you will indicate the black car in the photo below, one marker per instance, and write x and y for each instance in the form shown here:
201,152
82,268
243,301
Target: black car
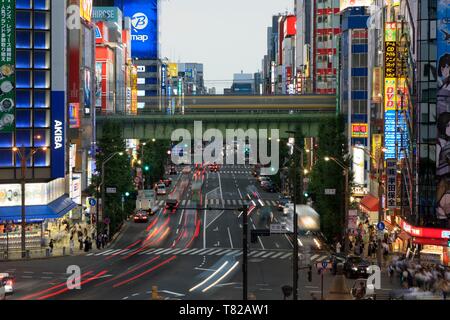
172,205
173,171
355,266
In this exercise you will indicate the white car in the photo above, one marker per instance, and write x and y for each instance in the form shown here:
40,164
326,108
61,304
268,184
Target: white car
7,282
161,189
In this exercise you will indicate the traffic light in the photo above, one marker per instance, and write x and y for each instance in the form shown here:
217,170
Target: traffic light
306,194
146,167
310,274
127,194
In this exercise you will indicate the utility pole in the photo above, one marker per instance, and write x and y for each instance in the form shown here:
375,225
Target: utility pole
245,252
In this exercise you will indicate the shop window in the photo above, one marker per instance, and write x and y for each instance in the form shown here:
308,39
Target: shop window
41,118
41,40
6,140
23,138
23,39
23,80
42,158
6,158
42,79
41,4
23,118
41,99
42,20
23,4
23,59
23,20
23,98
41,137
41,59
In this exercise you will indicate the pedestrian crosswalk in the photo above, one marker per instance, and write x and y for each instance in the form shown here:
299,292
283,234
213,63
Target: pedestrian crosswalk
212,252
234,172
223,202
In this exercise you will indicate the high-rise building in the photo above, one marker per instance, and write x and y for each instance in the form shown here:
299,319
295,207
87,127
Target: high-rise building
353,91
34,118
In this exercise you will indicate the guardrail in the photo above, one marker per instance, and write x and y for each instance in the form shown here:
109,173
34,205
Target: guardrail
12,255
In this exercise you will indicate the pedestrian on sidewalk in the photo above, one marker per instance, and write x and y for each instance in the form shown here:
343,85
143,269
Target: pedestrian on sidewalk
338,247
86,245
80,240
51,246
98,241
71,245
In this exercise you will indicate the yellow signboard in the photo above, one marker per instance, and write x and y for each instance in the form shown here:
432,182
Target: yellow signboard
86,7
377,140
172,70
377,85
390,92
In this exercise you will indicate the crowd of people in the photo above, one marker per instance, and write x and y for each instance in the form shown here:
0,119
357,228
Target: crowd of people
432,278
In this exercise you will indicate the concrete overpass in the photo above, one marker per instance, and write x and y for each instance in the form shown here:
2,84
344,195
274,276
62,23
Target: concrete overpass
229,112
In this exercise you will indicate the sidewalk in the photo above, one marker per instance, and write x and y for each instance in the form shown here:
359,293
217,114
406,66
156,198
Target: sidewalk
60,249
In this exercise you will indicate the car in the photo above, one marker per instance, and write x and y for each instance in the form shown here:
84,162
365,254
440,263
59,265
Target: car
141,216
214,167
167,182
281,203
172,205
335,259
7,282
161,189
263,178
355,266
172,171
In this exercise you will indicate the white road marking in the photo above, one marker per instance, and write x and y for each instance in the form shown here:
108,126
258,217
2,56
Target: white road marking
172,293
287,238
158,250
259,254
286,255
229,235
277,255
189,251
214,252
104,252
321,258
170,249
267,255
313,257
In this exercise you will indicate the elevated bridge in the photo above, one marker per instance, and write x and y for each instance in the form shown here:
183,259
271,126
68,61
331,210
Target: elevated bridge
228,112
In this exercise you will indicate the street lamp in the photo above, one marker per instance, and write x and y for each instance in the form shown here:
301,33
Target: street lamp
346,202
23,165
380,165
102,185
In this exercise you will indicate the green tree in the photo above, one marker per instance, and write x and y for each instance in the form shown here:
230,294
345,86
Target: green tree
154,159
329,175
117,174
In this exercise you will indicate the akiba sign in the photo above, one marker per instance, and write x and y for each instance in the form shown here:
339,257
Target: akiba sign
58,135
144,27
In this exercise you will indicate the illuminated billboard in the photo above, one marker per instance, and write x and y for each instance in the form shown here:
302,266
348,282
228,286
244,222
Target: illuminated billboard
443,110
144,27
360,130
86,10
344,4
172,69
7,63
290,26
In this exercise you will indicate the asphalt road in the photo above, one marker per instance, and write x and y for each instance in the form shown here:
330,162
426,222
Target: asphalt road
194,253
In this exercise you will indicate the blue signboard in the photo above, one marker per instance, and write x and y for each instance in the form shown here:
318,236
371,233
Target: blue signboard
144,27
391,135
380,226
58,134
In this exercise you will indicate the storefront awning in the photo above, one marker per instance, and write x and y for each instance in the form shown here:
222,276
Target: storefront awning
404,236
369,203
53,210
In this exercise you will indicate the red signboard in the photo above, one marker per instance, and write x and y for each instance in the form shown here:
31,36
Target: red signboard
421,232
290,28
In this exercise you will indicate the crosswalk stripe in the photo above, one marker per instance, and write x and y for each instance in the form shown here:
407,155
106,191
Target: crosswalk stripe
211,253
165,250
172,251
223,252
313,257
158,250
127,251
259,254
189,251
239,253
205,252
274,203
114,252
286,255
252,253
183,250
267,255
232,252
90,254
234,202
196,251
277,255
148,251
103,253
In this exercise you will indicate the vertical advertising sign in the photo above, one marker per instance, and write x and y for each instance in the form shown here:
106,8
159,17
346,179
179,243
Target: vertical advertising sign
144,27
58,135
443,110
358,166
74,115
377,140
7,63
98,84
377,85
391,183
